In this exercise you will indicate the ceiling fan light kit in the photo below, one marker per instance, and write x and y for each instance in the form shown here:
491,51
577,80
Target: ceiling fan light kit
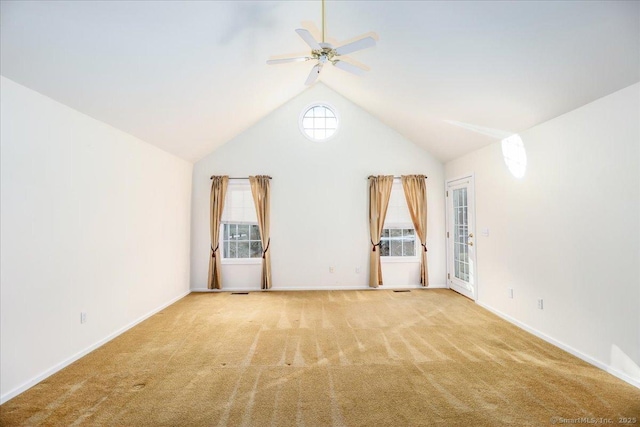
323,52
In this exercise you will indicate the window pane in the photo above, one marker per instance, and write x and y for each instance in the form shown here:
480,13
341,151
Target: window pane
328,112
410,232
232,250
384,248
385,233
319,123
332,123
307,123
243,232
256,250
243,249
225,247
409,248
395,248
255,233
395,232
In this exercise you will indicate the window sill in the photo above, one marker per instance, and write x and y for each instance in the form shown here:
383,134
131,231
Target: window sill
399,259
242,261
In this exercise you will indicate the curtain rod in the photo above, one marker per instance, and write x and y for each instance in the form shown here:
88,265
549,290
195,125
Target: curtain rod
238,177
395,177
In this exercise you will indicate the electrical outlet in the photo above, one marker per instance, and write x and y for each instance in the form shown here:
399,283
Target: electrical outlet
83,317
540,304
511,293
357,270
331,269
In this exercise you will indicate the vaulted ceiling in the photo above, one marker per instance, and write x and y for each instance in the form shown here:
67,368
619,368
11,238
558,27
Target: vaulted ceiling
449,76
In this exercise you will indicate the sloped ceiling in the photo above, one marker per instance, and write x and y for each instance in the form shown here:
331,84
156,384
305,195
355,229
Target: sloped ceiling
450,76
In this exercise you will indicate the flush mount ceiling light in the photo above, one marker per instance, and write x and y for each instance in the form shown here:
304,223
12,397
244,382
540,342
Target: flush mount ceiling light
324,52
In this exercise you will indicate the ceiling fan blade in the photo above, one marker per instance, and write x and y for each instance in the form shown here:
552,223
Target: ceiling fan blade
308,39
356,45
314,74
285,60
352,68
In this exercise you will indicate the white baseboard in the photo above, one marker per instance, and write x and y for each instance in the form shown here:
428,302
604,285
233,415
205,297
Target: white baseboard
624,377
27,385
294,288
205,290
322,288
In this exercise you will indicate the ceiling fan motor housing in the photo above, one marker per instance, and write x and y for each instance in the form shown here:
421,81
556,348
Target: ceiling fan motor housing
325,54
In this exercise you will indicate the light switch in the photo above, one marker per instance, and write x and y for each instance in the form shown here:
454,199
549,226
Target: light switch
485,232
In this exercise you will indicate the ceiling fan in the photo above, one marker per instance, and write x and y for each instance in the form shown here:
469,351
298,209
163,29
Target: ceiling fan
324,52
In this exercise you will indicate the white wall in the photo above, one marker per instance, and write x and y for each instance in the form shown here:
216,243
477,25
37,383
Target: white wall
568,231
319,202
93,220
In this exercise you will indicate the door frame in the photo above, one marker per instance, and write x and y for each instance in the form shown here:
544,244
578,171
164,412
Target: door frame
472,229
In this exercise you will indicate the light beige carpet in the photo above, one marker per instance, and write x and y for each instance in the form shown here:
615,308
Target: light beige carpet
352,358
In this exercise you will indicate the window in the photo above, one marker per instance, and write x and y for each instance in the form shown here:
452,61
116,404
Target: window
398,239
240,235
319,122
398,242
241,241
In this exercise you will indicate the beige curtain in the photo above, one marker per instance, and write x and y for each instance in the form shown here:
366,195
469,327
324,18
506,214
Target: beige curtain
379,194
218,193
415,191
261,191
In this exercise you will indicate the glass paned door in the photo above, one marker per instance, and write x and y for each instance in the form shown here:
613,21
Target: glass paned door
460,237
461,234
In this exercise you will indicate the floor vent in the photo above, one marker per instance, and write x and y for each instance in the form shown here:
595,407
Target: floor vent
402,290
239,293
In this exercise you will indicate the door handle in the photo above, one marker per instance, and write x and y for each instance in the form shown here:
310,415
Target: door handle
470,243
470,234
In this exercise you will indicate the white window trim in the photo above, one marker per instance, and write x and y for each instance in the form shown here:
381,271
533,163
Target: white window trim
399,259
241,261
403,259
